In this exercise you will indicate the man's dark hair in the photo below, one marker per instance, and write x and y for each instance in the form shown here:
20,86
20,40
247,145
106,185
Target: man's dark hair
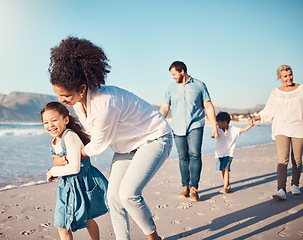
178,65
223,116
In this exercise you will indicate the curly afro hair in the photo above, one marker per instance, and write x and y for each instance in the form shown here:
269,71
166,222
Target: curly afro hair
78,61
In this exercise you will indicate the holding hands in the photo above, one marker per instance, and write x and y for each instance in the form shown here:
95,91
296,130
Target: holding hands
253,120
59,161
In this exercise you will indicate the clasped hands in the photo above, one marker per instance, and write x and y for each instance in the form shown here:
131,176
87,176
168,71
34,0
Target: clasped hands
58,161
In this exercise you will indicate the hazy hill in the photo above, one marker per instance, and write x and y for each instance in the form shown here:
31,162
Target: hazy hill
25,107
257,108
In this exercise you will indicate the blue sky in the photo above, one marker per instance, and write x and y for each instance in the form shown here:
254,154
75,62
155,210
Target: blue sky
235,47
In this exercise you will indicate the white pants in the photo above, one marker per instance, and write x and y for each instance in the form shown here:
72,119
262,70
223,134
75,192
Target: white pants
130,173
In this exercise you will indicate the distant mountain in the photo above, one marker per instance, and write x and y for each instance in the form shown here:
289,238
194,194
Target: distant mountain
23,107
257,108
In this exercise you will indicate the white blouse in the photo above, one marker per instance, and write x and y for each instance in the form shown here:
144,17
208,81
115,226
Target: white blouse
120,120
285,109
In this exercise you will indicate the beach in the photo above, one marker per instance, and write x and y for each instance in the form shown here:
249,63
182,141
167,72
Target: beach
248,212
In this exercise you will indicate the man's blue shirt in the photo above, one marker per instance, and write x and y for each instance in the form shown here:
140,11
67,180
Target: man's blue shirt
186,104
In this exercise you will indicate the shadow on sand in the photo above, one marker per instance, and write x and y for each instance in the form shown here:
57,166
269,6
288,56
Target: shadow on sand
246,217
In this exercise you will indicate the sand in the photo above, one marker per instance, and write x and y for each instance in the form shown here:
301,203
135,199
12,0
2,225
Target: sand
248,212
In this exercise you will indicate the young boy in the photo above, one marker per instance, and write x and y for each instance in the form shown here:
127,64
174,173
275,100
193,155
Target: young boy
225,147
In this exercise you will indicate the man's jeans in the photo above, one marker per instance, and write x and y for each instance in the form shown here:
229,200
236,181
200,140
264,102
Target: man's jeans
190,162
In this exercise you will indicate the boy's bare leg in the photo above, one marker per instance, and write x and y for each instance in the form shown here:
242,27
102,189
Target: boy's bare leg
225,173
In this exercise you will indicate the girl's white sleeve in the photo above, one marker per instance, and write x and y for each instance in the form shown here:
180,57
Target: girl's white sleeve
73,146
267,113
103,131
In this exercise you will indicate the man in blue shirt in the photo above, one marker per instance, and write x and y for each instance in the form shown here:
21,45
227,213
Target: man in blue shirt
188,99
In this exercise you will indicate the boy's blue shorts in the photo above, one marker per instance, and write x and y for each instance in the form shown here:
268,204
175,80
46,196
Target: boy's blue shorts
224,162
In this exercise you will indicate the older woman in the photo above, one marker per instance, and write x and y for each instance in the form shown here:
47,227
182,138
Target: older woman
285,108
115,118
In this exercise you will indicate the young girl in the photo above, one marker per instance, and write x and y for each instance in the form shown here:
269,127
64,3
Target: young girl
82,189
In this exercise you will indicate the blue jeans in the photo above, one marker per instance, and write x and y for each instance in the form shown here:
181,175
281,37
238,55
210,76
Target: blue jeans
130,173
190,162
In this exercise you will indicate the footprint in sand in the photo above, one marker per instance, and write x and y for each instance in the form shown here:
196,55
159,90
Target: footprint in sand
27,232
44,226
10,218
162,206
164,182
110,232
44,208
281,234
185,206
213,207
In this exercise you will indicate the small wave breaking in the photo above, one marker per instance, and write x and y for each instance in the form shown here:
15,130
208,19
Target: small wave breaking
7,187
21,132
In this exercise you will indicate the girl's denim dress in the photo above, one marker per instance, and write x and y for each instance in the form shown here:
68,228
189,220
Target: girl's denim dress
81,196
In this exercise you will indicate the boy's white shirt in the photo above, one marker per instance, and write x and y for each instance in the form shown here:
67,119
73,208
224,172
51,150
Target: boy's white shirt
73,145
226,142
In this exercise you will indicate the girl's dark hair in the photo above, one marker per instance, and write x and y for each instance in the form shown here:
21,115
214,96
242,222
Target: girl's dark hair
223,116
78,61
72,124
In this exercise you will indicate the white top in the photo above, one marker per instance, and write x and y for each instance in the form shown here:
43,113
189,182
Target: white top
120,120
226,142
73,145
286,111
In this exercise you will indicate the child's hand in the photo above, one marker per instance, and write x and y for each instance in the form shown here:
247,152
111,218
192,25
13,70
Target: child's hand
59,161
253,120
49,176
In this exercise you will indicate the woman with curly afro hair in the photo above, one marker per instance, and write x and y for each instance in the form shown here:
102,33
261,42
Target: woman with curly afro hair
115,118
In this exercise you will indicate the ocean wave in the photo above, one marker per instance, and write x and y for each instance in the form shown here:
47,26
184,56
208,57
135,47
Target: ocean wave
20,123
7,187
22,132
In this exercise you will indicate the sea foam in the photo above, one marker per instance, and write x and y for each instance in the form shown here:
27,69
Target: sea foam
22,132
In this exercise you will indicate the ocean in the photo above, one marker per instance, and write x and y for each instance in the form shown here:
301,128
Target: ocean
25,154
